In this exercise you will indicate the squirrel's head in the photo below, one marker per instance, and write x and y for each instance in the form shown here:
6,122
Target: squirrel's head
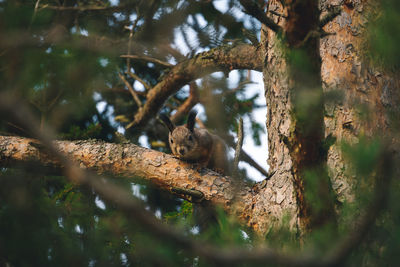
182,139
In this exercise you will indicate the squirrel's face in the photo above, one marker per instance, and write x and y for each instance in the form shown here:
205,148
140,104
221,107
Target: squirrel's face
182,142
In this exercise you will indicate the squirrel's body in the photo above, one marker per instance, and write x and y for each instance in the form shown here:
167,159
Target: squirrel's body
197,145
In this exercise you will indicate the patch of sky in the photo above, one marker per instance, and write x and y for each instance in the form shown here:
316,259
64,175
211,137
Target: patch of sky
184,91
78,229
96,96
110,22
201,20
179,42
195,230
99,203
114,2
39,87
139,86
119,16
49,50
172,60
132,17
95,119
103,62
124,258
244,235
121,129
218,75
221,5
181,3
101,106
84,32
157,213
136,192
190,19
258,153
49,251
144,141
60,222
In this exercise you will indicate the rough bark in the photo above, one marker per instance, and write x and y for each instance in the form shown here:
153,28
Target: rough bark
344,69
129,160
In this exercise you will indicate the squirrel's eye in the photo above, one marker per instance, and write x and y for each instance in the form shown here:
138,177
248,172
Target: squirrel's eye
171,141
190,138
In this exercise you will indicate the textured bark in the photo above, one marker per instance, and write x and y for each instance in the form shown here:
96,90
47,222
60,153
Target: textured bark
344,69
306,137
129,160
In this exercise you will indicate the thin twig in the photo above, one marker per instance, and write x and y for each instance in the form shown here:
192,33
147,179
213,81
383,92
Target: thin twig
83,8
35,11
111,193
238,148
239,87
131,90
189,103
137,78
150,59
131,33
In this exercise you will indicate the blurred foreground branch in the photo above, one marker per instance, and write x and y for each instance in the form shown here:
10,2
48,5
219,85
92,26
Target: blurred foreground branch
125,202
224,58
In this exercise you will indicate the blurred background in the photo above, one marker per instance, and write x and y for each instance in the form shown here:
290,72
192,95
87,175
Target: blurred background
84,67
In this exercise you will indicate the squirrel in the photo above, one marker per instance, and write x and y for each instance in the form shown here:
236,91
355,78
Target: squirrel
196,145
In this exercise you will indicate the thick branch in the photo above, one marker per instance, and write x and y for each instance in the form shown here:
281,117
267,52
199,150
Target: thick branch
106,159
127,160
223,58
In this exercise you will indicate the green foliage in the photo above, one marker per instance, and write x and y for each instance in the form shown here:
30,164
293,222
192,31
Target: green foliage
184,214
384,40
65,63
76,133
364,155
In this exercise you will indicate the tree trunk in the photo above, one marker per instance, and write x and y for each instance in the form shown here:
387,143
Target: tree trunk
338,65
344,69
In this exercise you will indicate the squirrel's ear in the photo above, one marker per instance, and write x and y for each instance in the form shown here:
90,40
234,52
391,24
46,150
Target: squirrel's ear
191,120
164,118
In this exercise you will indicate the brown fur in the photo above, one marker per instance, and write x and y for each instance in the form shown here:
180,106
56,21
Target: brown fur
197,145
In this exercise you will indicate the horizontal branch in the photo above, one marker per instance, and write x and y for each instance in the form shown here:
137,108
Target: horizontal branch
84,8
224,58
127,160
149,59
59,35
